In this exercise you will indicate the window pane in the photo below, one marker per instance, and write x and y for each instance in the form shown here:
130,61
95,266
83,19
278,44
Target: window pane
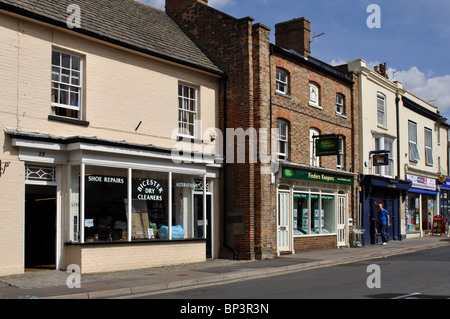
327,214
150,198
301,214
56,58
75,63
65,60
105,204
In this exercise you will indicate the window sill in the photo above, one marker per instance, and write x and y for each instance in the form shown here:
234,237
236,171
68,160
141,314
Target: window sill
68,120
283,94
189,139
315,106
133,242
344,116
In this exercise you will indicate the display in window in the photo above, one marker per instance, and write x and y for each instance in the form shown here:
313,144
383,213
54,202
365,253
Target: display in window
105,193
149,205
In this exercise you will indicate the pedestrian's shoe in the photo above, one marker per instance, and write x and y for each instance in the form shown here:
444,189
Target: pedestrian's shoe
384,244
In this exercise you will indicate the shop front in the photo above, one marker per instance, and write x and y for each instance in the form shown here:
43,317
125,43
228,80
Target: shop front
313,209
422,205
116,206
392,193
444,199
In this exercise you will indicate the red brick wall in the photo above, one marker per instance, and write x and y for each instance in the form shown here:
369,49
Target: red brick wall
309,243
242,49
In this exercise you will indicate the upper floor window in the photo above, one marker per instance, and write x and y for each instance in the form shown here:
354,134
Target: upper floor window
187,110
282,81
314,160
66,95
428,147
412,136
383,143
381,109
340,103
314,95
283,139
340,157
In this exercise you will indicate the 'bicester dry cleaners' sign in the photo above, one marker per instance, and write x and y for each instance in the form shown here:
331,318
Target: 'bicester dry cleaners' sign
294,173
149,189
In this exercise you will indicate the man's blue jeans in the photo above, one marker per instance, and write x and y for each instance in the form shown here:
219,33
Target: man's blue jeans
384,233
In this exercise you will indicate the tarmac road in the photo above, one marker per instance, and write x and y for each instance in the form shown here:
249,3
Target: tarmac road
418,275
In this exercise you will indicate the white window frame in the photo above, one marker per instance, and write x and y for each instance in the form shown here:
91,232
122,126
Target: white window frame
412,137
429,147
283,139
282,81
315,102
340,163
381,109
313,159
340,103
60,71
187,105
385,143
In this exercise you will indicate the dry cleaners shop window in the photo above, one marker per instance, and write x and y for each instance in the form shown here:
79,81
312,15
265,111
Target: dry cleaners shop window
106,205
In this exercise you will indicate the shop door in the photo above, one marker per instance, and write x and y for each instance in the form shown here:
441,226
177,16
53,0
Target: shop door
284,236
341,221
40,227
198,209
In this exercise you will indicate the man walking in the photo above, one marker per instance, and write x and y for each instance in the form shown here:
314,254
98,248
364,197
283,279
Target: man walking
384,222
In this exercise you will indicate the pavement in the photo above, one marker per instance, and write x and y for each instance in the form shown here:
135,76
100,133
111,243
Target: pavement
52,284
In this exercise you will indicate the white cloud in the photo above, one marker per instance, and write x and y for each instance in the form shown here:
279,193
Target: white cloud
435,90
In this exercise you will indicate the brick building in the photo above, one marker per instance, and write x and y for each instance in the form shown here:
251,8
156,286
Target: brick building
305,201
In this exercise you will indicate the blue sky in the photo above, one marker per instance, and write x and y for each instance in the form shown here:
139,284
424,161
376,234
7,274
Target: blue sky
414,37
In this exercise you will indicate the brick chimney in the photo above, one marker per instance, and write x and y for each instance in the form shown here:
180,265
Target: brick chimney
173,4
294,35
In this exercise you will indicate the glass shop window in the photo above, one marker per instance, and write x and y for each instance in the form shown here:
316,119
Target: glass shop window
187,215
150,198
413,213
105,204
328,214
314,214
301,214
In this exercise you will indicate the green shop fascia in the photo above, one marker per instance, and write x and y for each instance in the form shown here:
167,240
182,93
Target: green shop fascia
300,174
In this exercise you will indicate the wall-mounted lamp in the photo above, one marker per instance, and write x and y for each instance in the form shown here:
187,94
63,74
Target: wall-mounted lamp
3,167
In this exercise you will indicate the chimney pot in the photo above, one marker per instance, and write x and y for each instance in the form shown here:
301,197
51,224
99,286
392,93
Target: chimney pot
294,35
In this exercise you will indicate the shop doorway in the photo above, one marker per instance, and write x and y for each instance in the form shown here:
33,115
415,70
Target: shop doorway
201,223
342,221
40,227
284,235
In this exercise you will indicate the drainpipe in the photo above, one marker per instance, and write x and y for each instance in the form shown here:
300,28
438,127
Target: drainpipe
397,103
225,184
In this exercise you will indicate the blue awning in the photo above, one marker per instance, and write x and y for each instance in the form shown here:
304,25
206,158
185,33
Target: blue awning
422,191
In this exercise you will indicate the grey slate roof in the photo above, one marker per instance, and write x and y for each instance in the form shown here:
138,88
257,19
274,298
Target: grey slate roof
127,23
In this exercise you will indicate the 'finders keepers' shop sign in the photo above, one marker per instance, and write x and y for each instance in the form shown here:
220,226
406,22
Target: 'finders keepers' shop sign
316,176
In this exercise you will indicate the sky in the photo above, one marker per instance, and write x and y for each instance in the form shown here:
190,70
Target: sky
411,36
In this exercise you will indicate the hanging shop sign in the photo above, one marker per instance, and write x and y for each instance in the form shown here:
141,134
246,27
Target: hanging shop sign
327,145
300,174
380,159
